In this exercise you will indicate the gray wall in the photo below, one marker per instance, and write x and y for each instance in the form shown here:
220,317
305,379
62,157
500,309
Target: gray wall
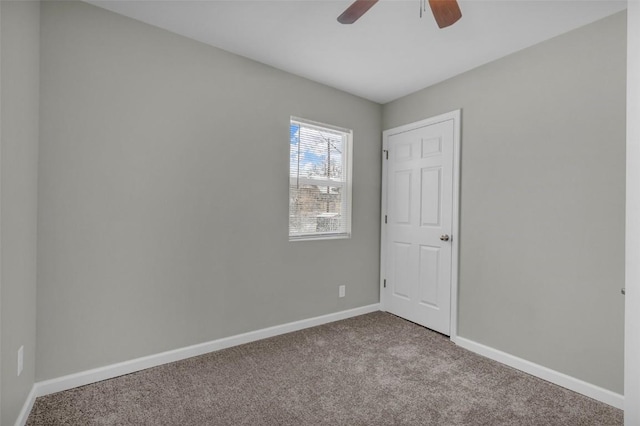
19,25
163,203
542,199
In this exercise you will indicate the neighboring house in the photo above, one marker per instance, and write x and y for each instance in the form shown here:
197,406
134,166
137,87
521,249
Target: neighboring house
315,209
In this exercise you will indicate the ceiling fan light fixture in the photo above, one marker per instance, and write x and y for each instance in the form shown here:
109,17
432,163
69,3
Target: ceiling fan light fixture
446,12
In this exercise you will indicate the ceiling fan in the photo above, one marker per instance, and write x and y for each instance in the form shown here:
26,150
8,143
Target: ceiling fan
446,12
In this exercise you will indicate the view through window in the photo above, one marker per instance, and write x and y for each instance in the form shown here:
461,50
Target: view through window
319,181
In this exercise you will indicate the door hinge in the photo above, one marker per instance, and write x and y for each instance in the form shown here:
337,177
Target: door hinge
384,283
386,153
385,218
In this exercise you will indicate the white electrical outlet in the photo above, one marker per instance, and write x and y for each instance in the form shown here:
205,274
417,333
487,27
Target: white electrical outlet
20,359
341,290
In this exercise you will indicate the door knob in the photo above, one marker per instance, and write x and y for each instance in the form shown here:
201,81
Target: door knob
444,237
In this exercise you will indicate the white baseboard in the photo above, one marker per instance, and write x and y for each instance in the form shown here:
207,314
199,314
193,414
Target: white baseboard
592,391
26,408
110,371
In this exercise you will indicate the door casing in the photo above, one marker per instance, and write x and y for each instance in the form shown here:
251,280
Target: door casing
455,224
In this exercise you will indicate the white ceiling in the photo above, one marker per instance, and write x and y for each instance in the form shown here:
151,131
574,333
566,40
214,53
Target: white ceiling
390,52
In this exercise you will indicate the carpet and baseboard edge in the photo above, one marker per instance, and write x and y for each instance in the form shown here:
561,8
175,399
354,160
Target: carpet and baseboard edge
71,381
82,378
579,386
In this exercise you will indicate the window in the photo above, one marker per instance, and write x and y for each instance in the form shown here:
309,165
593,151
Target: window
319,181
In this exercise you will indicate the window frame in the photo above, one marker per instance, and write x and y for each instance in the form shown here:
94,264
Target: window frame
346,183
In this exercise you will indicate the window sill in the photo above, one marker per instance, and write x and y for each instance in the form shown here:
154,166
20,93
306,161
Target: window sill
320,237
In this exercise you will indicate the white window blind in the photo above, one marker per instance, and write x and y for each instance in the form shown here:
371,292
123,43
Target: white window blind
319,181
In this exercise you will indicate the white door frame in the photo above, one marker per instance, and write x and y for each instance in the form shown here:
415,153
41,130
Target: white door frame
632,250
455,224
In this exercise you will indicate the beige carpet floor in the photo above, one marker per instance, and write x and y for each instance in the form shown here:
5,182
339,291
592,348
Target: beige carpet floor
375,369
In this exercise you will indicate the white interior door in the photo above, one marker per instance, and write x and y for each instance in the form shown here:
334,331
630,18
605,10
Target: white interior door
418,233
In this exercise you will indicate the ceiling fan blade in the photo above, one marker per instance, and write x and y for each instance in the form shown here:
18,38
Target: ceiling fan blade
446,12
355,11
